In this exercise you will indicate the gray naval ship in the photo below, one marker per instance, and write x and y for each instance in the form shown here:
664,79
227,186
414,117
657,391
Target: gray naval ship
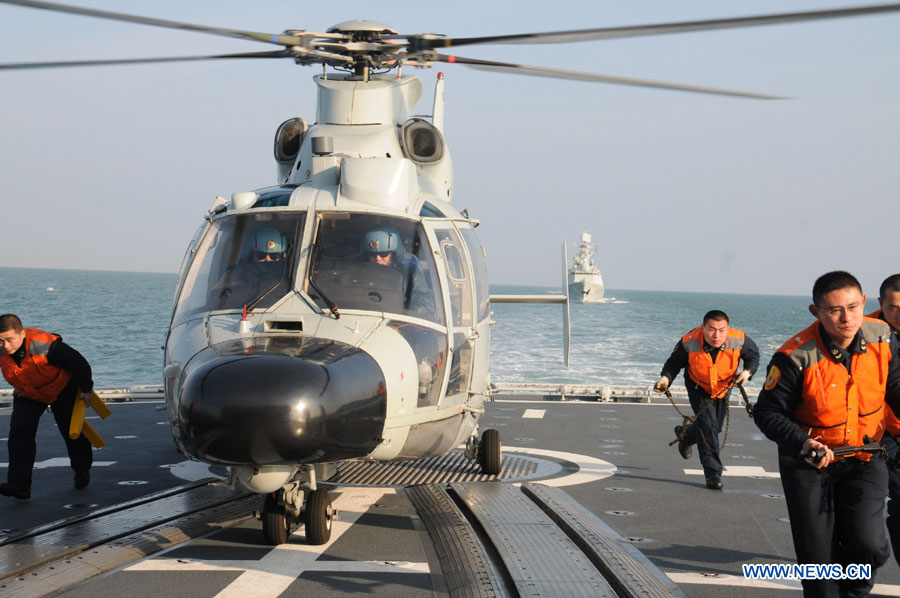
585,280
591,501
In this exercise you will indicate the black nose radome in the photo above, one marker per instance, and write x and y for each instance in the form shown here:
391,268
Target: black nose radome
281,400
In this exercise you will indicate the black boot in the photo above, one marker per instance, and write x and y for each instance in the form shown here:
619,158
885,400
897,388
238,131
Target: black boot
15,491
82,479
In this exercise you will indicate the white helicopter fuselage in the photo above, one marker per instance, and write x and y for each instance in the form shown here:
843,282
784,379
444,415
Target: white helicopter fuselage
282,379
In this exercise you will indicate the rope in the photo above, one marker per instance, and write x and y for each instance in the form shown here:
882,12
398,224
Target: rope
688,421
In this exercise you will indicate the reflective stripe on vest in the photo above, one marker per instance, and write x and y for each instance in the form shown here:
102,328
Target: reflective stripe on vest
713,376
841,407
35,378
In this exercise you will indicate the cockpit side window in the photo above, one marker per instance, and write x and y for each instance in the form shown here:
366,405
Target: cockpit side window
377,263
246,259
479,272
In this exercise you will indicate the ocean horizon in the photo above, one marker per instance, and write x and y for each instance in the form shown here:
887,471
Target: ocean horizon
118,321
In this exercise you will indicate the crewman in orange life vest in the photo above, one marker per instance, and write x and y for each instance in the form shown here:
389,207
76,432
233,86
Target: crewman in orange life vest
43,371
889,311
826,388
709,355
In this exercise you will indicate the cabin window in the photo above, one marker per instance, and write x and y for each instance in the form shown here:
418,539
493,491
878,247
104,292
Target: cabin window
375,263
479,272
461,366
246,259
430,349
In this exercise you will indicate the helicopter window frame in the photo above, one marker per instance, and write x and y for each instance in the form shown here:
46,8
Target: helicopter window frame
455,269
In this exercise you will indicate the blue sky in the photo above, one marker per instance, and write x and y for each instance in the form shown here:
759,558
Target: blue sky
114,167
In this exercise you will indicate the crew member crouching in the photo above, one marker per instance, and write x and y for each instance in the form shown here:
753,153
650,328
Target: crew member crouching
43,371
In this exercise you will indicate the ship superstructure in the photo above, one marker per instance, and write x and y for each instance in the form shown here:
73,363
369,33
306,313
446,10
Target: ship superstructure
585,280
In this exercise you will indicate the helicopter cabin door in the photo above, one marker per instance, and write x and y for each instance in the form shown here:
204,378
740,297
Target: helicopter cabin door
459,299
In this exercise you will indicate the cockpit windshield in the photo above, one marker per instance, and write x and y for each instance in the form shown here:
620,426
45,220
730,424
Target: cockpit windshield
375,263
246,259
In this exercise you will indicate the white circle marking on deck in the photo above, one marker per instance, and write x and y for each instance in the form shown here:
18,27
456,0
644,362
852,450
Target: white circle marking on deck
590,469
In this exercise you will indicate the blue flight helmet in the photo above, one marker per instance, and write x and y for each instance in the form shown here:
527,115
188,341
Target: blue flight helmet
381,239
265,244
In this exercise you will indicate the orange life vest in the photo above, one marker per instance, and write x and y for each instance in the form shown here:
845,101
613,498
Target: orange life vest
713,377
838,407
35,378
891,423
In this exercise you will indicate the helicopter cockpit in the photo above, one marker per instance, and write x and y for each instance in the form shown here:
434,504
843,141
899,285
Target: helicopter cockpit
373,262
243,260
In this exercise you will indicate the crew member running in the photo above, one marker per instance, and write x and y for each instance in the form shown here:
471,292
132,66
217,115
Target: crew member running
826,388
709,355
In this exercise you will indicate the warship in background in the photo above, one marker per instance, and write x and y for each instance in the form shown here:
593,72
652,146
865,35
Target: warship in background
585,280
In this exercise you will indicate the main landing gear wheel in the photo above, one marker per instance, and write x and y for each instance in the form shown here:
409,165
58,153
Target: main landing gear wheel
489,452
275,524
319,515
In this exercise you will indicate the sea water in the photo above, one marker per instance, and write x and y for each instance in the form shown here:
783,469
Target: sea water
118,321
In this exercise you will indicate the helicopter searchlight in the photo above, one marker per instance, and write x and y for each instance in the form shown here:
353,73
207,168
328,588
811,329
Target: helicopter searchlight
344,312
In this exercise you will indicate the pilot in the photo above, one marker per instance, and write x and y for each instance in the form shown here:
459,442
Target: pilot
43,370
260,268
709,355
826,388
265,244
383,247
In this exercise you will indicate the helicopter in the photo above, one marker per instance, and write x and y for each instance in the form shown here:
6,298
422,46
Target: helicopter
344,312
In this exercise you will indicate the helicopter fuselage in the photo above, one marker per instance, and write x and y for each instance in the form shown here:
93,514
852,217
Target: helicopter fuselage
342,314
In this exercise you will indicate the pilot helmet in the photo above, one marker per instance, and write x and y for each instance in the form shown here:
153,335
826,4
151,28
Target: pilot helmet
381,239
265,244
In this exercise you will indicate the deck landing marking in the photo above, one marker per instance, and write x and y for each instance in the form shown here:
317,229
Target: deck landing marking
740,471
534,414
62,462
590,469
281,566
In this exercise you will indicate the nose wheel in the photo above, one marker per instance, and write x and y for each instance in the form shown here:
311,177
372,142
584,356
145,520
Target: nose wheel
276,526
319,516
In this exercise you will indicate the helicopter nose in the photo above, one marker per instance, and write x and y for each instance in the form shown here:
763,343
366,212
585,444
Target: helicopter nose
261,402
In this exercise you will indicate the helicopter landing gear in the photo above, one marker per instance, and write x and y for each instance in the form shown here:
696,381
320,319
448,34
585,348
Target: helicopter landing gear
276,525
319,515
297,501
487,451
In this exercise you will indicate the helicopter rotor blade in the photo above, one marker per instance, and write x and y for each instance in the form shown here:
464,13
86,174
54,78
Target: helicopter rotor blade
269,38
419,43
119,61
538,71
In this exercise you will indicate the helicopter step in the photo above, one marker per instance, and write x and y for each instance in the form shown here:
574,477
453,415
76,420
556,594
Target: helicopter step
504,540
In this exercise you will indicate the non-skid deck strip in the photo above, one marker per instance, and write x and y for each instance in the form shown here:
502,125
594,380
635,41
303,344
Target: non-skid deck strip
538,555
631,573
467,570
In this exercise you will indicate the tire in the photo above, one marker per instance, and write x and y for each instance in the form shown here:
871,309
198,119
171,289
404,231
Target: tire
318,517
275,524
489,452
